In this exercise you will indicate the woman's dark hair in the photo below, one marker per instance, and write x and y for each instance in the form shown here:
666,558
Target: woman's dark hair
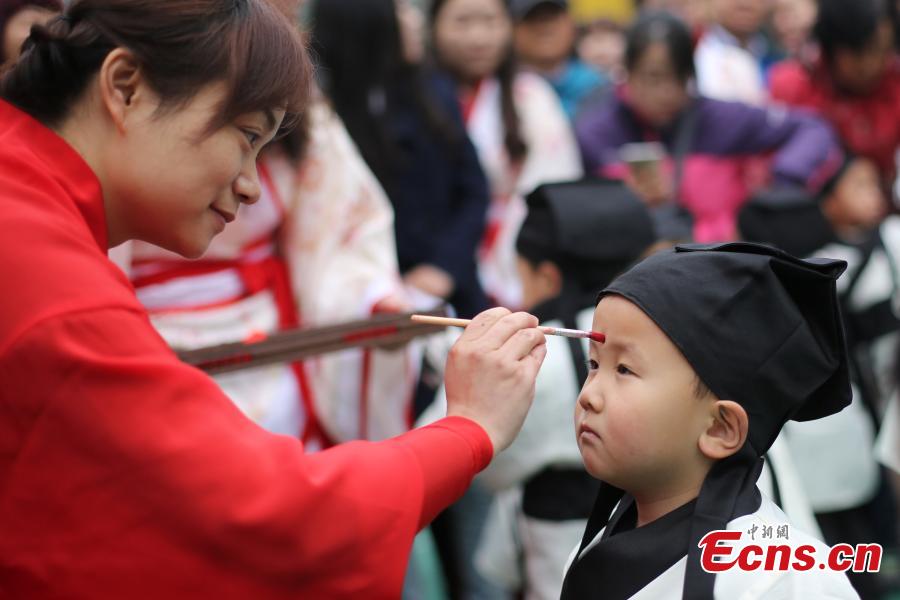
357,48
850,25
659,27
515,143
181,46
895,17
10,8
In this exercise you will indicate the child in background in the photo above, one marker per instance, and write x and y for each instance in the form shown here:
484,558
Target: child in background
792,23
576,238
836,457
544,34
853,82
710,350
601,44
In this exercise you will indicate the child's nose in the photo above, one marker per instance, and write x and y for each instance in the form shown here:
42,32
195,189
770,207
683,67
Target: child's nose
590,401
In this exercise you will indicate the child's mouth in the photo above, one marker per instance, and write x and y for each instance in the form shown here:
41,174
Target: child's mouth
585,433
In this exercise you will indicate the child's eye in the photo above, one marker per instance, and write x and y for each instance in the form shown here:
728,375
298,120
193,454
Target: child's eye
623,370
592,365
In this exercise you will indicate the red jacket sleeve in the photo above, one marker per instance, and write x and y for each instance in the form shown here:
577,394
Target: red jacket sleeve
789,84
125,473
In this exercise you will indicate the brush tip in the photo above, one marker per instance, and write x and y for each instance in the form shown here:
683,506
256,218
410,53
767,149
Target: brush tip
598,337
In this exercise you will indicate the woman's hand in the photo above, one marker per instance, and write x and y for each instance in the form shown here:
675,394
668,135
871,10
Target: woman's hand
491,372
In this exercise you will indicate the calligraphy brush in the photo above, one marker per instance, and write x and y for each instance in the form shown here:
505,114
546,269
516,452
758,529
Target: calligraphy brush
595,336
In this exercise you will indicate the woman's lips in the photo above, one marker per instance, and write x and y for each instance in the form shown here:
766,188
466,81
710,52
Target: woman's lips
227,216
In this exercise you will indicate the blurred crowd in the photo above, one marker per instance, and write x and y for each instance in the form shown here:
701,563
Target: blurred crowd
521,153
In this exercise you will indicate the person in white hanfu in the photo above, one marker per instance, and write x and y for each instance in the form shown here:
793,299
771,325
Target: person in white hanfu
515,120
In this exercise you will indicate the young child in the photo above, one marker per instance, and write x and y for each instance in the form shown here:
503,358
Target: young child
544,34
710,349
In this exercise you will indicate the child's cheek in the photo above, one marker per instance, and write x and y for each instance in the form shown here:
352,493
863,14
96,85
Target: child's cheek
625,435
578,414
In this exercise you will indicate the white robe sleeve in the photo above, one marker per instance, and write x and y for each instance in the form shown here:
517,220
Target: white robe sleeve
339,235
339,243
498,557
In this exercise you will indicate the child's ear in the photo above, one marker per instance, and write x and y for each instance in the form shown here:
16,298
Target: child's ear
551,278
727,430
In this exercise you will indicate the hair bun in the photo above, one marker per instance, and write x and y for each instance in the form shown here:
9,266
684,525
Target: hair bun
39,34
46,49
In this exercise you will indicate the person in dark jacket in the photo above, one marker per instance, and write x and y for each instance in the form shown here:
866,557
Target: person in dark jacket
408,128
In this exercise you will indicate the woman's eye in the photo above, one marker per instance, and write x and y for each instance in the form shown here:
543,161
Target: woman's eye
623,370
251,136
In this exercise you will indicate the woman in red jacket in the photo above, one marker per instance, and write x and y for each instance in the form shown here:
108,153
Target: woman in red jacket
123,472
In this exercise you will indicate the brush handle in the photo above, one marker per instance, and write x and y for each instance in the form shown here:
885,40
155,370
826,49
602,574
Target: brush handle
572,333
441,321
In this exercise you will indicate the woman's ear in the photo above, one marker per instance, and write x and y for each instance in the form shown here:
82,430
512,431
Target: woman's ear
727,430
121,86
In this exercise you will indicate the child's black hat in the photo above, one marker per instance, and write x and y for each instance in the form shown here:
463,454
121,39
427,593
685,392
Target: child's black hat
788,218
758,326
591,228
